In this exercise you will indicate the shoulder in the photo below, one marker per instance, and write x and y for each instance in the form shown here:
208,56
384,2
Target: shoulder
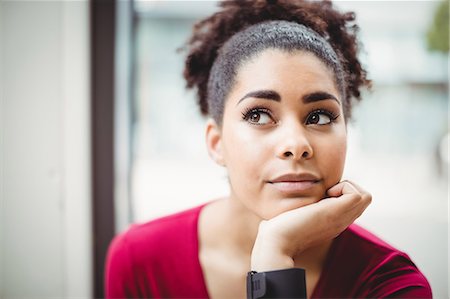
149,251
366,242
159,236
382,270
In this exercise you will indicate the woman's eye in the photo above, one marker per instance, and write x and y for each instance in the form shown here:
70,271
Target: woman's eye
258,117
319,118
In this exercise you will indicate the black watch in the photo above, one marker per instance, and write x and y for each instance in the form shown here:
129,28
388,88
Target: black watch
286,283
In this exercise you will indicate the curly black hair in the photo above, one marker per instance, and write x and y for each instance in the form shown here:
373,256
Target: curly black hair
216,48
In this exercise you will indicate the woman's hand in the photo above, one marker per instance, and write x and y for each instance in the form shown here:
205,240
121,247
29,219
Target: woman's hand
288,234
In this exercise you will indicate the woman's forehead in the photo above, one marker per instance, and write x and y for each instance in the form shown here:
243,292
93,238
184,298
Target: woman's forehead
275,69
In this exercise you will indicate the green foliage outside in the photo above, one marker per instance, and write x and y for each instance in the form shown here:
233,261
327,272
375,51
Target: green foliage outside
437,36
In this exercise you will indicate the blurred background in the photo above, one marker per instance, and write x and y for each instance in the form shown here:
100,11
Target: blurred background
96,123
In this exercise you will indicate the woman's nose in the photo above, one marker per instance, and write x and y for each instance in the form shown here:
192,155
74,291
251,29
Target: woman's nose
294,144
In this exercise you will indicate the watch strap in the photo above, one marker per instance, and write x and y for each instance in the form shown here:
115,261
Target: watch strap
286,283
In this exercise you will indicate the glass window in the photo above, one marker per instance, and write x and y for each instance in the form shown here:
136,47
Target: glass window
171,167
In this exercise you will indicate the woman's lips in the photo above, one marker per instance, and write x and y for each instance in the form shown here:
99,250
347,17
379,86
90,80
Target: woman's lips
294,183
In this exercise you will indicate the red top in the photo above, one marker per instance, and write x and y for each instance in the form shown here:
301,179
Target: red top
159,259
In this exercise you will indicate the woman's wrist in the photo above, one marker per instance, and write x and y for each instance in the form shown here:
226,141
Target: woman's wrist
269,261
269,253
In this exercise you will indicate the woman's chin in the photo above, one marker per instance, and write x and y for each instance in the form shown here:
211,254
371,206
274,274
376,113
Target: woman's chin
278,206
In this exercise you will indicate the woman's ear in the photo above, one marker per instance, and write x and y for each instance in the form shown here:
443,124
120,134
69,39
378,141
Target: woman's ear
214,142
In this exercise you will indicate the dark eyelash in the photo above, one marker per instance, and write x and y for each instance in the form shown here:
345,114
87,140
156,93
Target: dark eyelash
248,112
333,116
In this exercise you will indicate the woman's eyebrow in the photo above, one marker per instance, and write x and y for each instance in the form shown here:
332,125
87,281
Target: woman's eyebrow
275,96
318,96
262,94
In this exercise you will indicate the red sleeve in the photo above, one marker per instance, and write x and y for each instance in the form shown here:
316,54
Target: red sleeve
119,280
413,293
398,277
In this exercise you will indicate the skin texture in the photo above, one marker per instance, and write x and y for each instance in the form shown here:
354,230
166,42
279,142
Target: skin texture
269,223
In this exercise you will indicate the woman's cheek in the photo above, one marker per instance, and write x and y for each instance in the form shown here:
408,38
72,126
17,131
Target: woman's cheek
334,162
245,157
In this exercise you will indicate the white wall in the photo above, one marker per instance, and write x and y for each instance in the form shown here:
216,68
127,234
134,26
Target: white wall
45,145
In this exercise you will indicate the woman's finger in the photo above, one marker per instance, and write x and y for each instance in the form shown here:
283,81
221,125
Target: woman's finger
344,187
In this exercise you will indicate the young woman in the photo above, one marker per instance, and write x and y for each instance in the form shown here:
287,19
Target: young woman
277,80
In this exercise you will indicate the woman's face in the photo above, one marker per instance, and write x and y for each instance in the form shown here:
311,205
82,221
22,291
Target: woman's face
283,135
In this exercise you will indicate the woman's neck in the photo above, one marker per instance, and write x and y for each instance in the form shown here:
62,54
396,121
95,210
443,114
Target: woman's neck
228,217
